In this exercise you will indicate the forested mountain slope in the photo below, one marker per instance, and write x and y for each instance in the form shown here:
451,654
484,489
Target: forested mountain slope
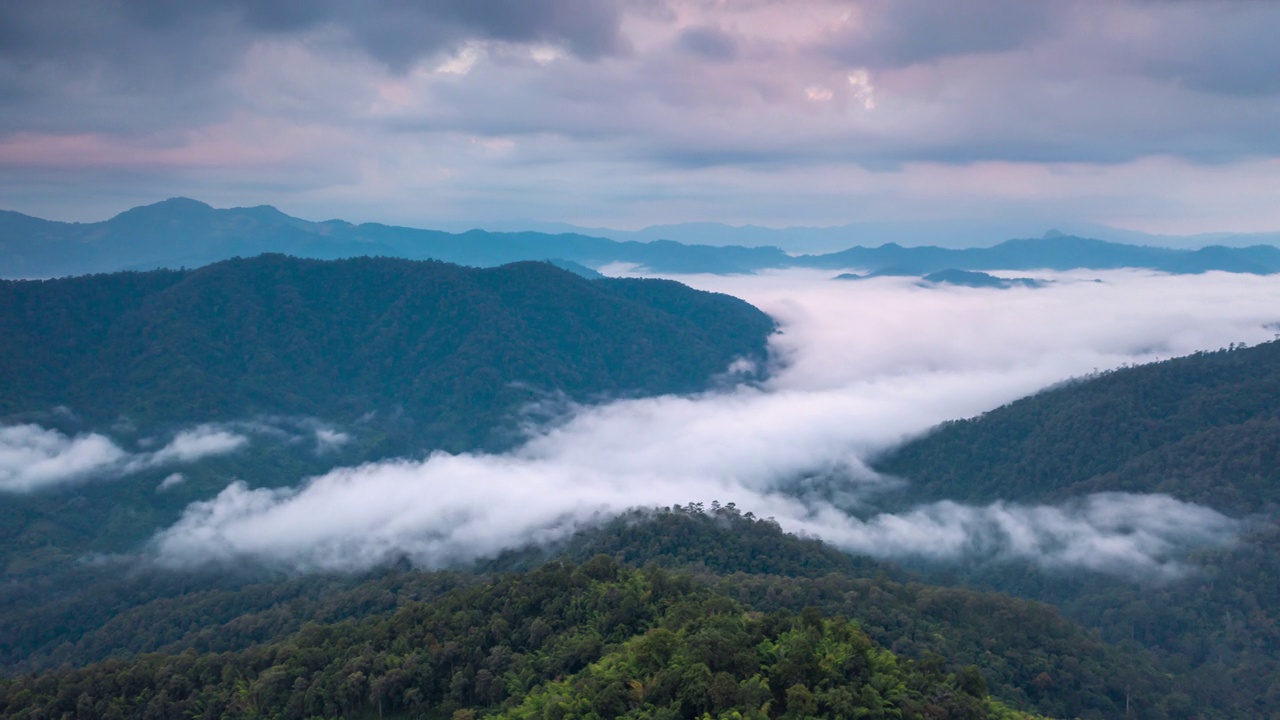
455,348
596,640
1202,428
390,357
1015,644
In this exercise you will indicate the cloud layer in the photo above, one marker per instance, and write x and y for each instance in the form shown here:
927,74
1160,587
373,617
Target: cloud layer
1155,115
861,366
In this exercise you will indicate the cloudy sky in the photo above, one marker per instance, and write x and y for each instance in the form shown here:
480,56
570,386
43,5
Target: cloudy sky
1151,115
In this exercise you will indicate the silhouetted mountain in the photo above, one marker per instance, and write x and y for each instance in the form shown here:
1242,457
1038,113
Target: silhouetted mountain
1053,252
181,232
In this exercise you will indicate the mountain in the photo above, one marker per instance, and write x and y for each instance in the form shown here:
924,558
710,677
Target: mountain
180,233
590,640
1203,429
459,348
291,367
951,233
969,278
1052,252
951,276
143,619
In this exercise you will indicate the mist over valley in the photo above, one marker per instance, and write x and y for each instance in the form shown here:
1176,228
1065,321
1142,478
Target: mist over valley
245,426
661,359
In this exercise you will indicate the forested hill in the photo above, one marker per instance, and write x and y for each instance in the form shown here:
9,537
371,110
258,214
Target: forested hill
1203,428
451,349
590,641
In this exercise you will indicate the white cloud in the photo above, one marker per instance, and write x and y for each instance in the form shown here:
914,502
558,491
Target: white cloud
33,458
1118,533
863,365
172,480
328,439
191,445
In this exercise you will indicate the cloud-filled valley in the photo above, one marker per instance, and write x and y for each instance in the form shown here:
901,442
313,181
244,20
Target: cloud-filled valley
858,368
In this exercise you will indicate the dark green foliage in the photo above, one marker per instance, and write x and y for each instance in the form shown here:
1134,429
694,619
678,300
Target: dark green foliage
453,348
716,539
524,642
710,659
1200,428
1027,652
93,616
1204,429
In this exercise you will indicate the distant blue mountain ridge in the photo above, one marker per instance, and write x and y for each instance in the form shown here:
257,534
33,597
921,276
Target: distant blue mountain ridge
181,232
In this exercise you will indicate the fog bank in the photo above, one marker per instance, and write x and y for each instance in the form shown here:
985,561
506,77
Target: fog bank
858,367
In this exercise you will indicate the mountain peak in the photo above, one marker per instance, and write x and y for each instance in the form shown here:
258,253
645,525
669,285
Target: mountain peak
175,208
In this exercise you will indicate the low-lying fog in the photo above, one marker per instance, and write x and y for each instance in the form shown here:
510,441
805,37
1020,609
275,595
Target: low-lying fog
859,367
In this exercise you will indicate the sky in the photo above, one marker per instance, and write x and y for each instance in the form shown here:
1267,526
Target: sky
1150,115
858,368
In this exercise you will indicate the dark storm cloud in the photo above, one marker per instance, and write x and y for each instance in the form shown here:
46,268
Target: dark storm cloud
391,101
141,66
138,38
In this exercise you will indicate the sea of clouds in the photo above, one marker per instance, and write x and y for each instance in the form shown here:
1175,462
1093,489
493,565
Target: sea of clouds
858,367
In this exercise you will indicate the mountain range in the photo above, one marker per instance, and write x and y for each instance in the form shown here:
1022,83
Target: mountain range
180,233
954,233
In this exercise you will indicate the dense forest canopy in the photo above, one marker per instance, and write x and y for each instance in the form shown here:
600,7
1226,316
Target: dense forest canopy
456,349
1203,428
